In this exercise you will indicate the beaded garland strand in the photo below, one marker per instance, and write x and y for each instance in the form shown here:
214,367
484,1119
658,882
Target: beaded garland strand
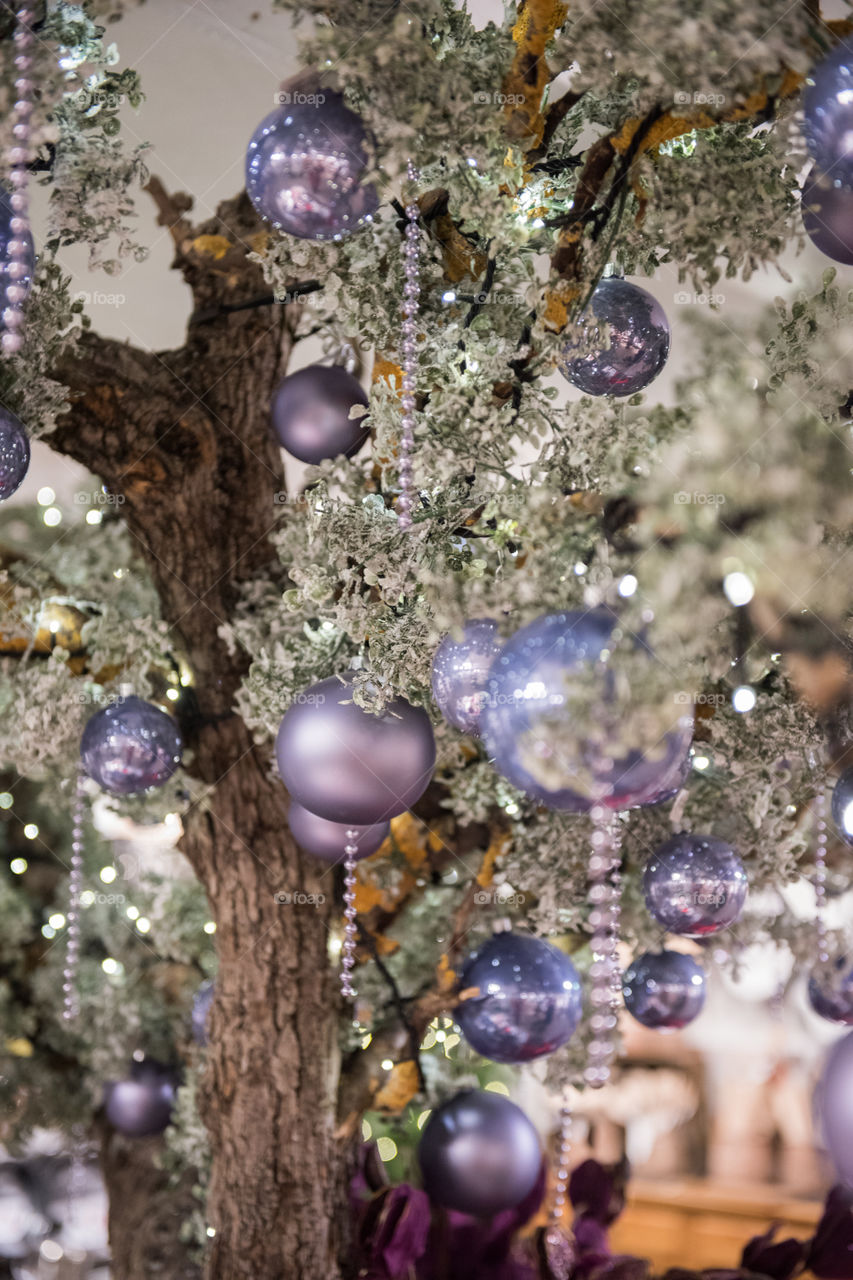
16,269
409,353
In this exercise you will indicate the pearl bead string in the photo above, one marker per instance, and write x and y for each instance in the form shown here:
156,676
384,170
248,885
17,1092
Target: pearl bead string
70,993
605,894
820,877
561,1180
16,268
409,354
350,927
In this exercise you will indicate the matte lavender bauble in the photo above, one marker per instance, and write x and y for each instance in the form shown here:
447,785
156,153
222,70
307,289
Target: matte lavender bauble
348,765
327,840
842,805
835,1106
460,672
831,990
547,739
305,165
528,1001
130,746
310,413
7,233
202,1002
14,453
828,113
664,989
479,1154
828,217
639,340
695,885
141,1106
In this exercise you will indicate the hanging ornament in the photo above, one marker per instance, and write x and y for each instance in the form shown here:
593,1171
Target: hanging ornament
18,257
409,353
70,994
304,168
695,885
202,1002
310,413
14,453
460,672
548,738
664,990
828,112
605,897
130,746
479,1154
828,217
638,347
349,766
834,1100
141,1106
326,839
831,990
525,998
842,805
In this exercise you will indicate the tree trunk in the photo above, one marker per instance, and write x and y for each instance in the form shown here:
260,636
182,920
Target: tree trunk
185,437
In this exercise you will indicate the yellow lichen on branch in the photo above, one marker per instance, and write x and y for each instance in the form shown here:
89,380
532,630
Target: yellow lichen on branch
529,76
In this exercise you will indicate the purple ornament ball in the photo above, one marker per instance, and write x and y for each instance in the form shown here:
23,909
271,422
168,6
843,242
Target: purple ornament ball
528,1001
460,672
830,991
835,1107
540,676
479,1154
310,413
202,1003
7,213
326,839
664,990
305,165
639,339
130,746
842,806
695,885
348,765
828,217
828,113
141,1106
14,453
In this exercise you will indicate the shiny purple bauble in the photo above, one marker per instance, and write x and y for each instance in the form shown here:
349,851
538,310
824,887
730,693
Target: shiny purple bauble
479,1154
348,765
326,839
639,342
141,1106
130,746
831,990
14,453
842,806
304,168
828,113
695,885
664,990
834,1098
202,1002
828,217
529,1000
7,213
528,728
460,672
310,413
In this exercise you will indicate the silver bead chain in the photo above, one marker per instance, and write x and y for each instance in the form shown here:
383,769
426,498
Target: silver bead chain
409,353
70,993
561,1180
820,877
12,339
605,895
350,927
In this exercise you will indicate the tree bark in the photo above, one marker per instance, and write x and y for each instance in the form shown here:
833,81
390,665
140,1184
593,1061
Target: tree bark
184,436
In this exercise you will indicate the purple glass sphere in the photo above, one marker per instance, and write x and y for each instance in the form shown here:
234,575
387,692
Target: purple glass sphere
842,805
202,1002
695,885
130,746
529,1000
639,342
828,112
835,1106
7,213
828,217
664,989
479,1154
527,722
460,671
141,1106
310,413
14,453
326,839
304,168
350,766
831,990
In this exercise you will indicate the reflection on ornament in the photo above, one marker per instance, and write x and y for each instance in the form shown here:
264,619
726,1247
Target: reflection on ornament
842,806
834,1100
638,347
664,990
828,217
327,840
695,885
460,671
310,413
141,1106
828,113
130,746
14,453
831,990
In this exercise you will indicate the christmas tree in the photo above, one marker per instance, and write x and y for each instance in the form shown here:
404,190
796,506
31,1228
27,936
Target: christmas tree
530,162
